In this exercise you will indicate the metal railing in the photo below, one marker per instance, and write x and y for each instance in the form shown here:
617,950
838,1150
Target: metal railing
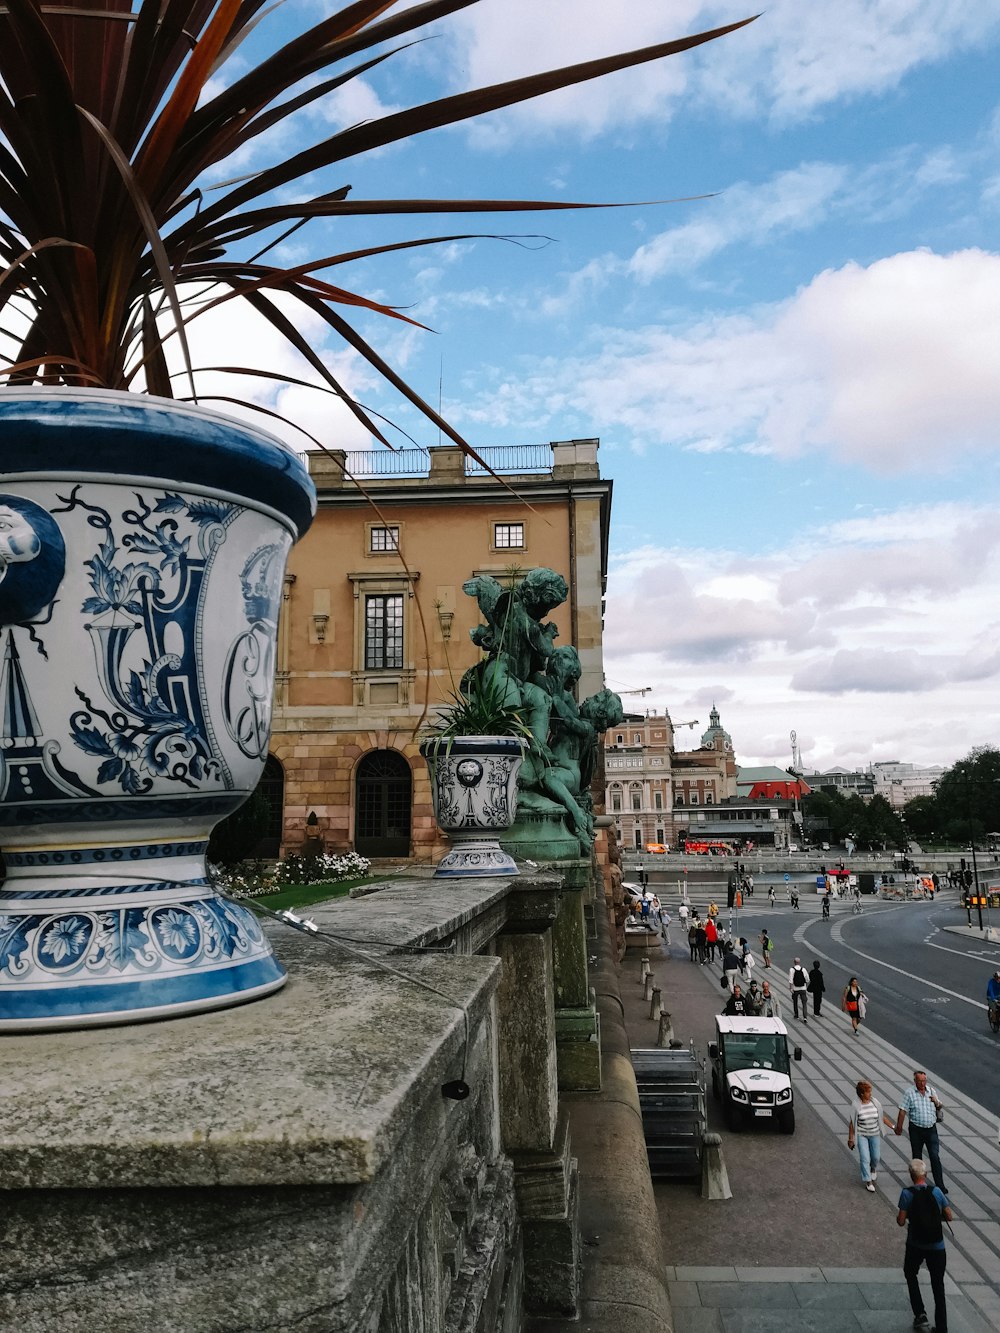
501,458
512,458
387,463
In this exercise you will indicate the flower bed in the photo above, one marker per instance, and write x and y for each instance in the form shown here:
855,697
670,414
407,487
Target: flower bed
261,879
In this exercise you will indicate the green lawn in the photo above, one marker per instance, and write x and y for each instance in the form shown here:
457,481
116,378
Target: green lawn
304,895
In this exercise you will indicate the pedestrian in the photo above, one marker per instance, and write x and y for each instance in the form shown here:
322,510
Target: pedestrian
750,885
693,939
816,986
665,925
922,1208
798,979
852,1003
752,998
922,1104
711,937
770,895
735,1005
864,1127
793,895
766,947
644,909
730,965
682,913
713,910
701,940
769,1006
748,963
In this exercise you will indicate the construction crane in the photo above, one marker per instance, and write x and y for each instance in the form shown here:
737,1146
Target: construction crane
646,689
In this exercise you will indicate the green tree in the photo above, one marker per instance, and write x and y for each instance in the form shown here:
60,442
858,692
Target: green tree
968,796
923,818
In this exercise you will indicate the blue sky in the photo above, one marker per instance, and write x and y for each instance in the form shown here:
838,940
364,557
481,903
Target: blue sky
795,382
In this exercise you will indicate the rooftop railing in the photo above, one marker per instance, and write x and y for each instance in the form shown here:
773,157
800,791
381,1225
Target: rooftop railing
501,458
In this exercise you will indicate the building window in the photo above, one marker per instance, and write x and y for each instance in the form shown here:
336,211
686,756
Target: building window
636,800
659,836
693,799
636,738
709,798
638,840
508,536
383,632
616,801
658,802
383,539
678,799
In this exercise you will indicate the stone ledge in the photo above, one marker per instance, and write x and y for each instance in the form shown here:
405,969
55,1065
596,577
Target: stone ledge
312,1085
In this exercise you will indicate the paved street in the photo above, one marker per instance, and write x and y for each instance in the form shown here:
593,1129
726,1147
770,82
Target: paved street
802,1245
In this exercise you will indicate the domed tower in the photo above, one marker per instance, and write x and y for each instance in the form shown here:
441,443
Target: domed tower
716,737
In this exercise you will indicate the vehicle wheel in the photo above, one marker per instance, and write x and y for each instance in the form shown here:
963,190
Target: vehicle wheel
786,1121
734,1120
995,1019
715,1087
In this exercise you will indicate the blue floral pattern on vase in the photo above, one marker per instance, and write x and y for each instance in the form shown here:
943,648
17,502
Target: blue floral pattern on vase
156,726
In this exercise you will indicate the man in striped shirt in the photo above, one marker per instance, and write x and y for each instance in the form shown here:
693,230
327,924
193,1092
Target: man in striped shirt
921,1104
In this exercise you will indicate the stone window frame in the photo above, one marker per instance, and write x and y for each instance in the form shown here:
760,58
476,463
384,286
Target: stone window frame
365,583
496,524
395,538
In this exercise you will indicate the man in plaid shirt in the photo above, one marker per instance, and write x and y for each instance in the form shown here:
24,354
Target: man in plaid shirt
921,1104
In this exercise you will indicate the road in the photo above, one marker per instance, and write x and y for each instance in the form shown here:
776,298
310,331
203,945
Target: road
926,985
768,1261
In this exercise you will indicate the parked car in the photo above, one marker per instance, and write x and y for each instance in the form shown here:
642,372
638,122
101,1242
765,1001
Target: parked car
751,1071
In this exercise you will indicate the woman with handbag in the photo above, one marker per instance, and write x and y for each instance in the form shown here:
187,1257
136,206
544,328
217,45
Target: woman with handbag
853,1003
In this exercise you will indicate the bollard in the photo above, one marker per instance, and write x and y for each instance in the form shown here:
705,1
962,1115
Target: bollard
665,1035
643,968
714,1177
648,983
654,1002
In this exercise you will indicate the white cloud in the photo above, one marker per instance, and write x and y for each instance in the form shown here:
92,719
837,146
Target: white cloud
891,367
235,335
869,668
793,60
791,201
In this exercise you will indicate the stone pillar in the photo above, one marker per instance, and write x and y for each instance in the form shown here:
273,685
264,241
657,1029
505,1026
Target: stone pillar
534,1131
578,1031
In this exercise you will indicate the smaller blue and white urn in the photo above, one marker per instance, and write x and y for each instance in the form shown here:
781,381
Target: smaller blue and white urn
474,793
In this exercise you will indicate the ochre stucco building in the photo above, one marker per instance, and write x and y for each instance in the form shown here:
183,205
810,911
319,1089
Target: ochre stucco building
375,626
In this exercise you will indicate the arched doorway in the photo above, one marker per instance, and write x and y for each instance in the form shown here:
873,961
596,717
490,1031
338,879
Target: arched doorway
383,797
272,788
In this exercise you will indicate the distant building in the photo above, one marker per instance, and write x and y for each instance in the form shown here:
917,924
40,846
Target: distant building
850,782
900,783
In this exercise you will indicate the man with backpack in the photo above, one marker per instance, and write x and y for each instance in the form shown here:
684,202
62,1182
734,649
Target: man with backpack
798,979
922,1208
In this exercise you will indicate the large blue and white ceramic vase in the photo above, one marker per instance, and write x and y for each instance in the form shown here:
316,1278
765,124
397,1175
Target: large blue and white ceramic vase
142,555
474,795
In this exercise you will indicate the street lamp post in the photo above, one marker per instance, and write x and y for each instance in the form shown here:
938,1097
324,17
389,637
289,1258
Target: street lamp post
975,873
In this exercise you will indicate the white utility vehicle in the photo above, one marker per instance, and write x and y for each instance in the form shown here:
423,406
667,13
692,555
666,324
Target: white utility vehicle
751,1071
